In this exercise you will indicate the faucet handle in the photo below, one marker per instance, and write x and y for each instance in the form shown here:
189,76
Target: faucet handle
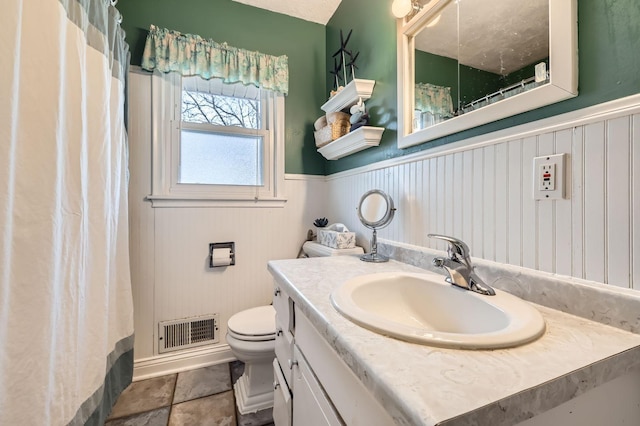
457,248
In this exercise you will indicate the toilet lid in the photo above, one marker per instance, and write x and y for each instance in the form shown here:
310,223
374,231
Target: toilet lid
260,321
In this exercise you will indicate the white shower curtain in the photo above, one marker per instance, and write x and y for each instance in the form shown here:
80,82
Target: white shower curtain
66,315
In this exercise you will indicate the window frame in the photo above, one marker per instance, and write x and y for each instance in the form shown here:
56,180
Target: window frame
167,125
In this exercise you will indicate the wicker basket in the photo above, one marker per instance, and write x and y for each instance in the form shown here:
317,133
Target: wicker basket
339,122
339,129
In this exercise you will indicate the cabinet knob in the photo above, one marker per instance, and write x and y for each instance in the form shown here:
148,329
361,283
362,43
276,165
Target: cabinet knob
275,385
277,291
292,363
279,332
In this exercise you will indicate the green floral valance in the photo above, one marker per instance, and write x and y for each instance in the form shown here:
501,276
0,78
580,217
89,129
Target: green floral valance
434,99
189,54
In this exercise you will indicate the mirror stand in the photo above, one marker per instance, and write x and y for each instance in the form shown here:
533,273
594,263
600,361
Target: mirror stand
374,256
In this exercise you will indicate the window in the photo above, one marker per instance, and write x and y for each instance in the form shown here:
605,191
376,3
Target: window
222,144
222,137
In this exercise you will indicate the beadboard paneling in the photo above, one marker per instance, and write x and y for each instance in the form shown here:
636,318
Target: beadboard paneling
185,285
618,190
484,195
594,202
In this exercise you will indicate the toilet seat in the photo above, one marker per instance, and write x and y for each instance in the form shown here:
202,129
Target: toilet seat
255,324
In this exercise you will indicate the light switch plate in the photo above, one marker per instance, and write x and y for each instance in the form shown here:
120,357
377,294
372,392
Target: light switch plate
549,177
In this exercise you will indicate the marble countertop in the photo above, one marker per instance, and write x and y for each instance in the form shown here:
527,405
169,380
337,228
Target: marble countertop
423,385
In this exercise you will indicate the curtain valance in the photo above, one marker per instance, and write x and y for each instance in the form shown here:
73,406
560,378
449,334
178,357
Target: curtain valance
434,99
188,54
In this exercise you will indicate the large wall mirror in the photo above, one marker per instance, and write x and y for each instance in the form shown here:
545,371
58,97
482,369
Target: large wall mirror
464,63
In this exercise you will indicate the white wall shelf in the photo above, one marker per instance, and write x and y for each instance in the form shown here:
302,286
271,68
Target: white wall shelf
358,88
361,138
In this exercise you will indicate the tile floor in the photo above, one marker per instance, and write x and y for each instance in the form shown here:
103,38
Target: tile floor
201,397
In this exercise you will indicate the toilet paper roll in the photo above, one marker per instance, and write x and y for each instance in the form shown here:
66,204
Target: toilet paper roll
221,257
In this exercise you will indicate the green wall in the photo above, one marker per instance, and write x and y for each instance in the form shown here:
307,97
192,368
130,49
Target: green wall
609,67
438,70
253,29
475,83
609,63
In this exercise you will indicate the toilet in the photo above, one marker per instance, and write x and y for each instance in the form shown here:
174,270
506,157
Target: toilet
251,335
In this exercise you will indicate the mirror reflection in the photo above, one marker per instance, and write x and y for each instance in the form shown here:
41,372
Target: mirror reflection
373,208
471,54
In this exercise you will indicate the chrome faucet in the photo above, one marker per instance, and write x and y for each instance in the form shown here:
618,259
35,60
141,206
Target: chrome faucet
458,266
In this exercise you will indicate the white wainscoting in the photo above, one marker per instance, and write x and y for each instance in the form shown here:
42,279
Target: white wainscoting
169,249
482,192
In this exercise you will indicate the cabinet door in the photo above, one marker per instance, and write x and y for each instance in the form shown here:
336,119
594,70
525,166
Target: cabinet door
351,399
284,328
284,351
281,398
282,303
311,407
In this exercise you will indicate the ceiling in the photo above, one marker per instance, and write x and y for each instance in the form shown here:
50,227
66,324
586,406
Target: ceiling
319,11
495,36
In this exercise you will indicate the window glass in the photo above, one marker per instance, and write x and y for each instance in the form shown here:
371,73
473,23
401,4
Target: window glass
220,159
221,138
203,107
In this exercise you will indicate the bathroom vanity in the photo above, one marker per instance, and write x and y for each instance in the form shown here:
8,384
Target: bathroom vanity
330,371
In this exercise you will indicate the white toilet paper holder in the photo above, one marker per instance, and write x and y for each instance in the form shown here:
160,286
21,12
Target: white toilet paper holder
232,253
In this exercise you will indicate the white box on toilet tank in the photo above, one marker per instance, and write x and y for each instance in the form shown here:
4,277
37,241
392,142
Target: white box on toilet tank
337,236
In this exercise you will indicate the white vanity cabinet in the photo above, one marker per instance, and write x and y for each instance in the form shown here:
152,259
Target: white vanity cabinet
348,395
313,386
581,372
298,397
312,406
282,365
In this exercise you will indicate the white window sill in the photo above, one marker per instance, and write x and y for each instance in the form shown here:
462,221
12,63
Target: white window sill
193,201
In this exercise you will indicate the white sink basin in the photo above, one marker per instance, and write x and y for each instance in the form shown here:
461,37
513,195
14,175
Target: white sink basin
423,308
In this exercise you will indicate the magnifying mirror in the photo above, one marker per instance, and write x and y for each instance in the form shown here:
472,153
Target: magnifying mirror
375,211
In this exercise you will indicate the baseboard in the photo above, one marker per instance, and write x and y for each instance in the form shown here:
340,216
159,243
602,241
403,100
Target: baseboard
161,365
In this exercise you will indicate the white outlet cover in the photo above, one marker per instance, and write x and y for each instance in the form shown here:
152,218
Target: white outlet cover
558,193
